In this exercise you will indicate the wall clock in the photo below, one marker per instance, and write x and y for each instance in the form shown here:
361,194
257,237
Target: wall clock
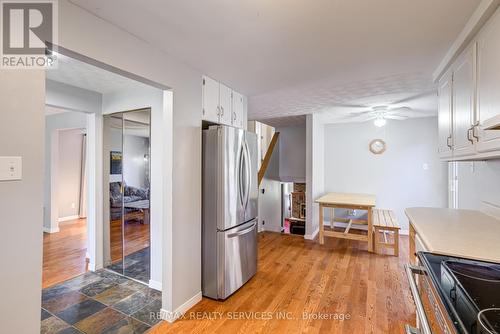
377,146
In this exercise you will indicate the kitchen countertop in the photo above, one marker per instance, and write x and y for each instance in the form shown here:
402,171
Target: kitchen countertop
463,233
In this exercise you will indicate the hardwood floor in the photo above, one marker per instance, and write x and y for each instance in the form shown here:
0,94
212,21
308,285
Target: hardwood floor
297,276
136,236
64,252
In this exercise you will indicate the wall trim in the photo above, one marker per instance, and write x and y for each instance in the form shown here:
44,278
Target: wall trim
155,285
313,235
51,229
68,218
92,266
181,310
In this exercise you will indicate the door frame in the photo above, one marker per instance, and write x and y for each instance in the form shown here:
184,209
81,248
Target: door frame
95,177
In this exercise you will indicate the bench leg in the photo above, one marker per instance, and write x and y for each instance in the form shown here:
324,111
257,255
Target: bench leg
321,237
396,243
375,241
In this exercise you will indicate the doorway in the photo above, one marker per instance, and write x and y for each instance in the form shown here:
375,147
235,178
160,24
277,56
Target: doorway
65,196
127,156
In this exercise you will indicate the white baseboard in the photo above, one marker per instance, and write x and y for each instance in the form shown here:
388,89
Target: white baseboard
312,236
68,218
181,310
155,285
51,229
93,267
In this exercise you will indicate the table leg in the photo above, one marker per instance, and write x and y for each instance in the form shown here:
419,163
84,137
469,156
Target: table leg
321,237
370,230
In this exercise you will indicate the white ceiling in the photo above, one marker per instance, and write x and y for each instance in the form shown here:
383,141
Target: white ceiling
295,57
79,74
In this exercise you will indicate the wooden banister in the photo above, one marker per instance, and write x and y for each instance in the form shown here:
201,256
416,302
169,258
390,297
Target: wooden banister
267,157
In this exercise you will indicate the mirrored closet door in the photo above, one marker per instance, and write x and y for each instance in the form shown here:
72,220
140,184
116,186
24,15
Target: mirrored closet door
127,147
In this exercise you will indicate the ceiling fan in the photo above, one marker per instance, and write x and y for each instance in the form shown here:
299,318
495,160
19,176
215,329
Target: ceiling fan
380,115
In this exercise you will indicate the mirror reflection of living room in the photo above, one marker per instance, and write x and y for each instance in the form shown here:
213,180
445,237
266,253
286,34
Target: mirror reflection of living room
127,163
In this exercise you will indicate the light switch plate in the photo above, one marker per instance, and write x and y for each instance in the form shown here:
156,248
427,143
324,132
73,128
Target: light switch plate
11,168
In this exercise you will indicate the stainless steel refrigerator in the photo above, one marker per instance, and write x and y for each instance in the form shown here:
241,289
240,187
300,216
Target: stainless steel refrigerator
230,196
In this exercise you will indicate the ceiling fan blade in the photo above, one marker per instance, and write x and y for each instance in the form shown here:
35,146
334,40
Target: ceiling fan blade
359,118
399,109
396,117
415,113
353,113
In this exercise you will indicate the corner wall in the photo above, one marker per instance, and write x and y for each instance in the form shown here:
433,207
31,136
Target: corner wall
22,105
84,33
315,171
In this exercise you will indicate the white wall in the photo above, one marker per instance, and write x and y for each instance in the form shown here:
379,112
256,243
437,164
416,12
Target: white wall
22,106
315,171
53,125
478,182
71,98
135,168
398,177
69,172
292,155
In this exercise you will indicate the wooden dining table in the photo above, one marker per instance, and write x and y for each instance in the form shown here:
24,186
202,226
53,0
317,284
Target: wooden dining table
364,202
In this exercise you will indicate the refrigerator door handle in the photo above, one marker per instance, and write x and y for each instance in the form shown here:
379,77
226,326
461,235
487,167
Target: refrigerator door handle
245,231
240,177
248,177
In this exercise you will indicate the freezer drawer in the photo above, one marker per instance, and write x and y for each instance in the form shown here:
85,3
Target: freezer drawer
237,258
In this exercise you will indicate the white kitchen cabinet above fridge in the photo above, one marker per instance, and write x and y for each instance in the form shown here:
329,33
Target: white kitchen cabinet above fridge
222,105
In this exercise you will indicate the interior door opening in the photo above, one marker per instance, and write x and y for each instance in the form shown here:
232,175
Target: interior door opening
127,152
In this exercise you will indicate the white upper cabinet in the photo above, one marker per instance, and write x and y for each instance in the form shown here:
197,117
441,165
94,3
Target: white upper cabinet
472,115
225,105
445,116
210,92
238,117
463,105
222,105
489,85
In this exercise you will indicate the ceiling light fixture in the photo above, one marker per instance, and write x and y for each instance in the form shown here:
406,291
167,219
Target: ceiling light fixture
380,121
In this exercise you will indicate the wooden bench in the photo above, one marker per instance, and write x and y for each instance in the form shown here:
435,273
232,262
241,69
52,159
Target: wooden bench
385,221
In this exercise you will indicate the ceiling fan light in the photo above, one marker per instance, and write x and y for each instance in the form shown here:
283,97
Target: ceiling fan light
380,122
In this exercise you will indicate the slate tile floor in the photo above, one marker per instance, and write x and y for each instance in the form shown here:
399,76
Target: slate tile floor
136,265
100,302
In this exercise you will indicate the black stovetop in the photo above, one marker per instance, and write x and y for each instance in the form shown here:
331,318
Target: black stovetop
469,290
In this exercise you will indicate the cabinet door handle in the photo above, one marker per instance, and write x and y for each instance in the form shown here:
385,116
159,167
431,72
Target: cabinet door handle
470,135
448,142
218,111
222,111
474,129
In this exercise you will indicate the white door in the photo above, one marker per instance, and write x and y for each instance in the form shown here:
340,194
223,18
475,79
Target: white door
238,110
464,103
445,116
225,104
210,100
489,83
